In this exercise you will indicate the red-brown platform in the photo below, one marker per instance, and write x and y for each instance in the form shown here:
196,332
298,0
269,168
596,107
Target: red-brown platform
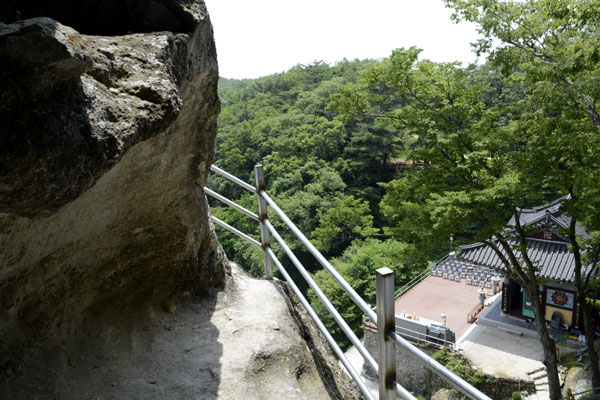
436,295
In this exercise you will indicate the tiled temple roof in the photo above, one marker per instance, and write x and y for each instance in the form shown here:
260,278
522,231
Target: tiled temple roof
549,216
552,258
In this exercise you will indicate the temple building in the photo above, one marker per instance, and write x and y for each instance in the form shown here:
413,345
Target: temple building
549,251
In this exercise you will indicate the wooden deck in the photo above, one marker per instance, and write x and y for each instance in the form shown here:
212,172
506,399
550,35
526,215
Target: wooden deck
436,295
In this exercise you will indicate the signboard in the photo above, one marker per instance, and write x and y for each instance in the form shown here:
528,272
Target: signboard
527,310
560,298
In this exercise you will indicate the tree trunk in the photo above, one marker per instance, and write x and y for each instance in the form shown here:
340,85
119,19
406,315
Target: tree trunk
587,307
589,336
548,345
528,281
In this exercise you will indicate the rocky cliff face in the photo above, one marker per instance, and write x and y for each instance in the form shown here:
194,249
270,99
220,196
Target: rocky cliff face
112,283
105,144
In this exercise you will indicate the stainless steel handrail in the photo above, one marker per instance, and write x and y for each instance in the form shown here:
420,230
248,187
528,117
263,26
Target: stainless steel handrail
454,379
232,178
439,369
436,367
336,348
330,307
235,231
322,260
231,203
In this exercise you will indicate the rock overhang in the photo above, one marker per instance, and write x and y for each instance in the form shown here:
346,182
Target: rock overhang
101,207
111,17
87,98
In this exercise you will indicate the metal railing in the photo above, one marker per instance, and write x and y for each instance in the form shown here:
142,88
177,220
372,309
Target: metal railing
425,338
593,393
384,319
417,279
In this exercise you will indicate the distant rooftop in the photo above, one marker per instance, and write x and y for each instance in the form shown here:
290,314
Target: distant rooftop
548,216
553,259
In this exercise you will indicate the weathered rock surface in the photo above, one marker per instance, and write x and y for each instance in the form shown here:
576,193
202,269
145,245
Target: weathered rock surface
239,343
578,380
112,283
105,144
110,17
71,105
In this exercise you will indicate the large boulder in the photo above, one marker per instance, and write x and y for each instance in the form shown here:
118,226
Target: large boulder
578,380
112,282
105,145
110,17
71,105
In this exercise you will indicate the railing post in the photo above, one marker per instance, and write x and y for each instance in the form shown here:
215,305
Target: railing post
262,216
386,322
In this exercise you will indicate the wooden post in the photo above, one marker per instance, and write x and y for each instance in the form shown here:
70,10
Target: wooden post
386,322
262,215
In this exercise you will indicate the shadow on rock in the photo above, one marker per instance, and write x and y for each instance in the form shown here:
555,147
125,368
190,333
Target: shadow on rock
166,356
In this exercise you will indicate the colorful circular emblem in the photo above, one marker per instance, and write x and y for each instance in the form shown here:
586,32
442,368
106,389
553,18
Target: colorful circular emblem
560,298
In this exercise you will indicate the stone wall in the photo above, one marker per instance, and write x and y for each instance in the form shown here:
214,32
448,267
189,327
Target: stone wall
412,374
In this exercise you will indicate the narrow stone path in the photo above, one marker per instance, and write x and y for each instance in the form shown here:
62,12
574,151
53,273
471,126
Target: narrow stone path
240,342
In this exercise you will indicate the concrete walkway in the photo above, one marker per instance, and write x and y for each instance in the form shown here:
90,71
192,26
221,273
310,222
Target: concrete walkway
502,354
507,355
494,352
436,295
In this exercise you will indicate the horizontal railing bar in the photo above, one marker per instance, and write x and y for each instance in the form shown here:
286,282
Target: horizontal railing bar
411,334
231,203
322,328
336,275
330,307
587,391
235,231
232,178
427,271
438,368
405,394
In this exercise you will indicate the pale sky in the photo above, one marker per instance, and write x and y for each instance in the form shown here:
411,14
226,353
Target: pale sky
263,37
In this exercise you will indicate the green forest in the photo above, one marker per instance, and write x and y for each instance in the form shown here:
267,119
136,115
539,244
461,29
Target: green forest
380,162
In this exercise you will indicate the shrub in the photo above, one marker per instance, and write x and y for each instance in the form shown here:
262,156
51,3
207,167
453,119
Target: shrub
459,366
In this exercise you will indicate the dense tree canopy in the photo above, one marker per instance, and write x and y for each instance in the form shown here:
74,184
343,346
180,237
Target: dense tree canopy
550,49
380,162
322,169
